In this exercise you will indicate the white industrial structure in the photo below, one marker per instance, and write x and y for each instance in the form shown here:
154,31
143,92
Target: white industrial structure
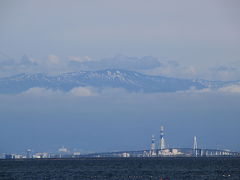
195,148
156,150
162,141
153,147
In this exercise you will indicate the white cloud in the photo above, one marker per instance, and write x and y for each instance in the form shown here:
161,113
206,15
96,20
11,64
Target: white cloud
34,60
173,70
81,91
85,92
53,59
37,91
196,91
230,89
54,64
225,72
79,59
227,89
78,91
114,92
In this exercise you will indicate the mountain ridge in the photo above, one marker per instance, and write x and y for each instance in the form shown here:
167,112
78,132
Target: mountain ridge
108,78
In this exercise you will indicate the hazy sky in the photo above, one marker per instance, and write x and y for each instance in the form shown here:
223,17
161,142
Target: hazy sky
117,121
200,33
203,33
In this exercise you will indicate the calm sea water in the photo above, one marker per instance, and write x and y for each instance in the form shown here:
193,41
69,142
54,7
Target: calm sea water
122,168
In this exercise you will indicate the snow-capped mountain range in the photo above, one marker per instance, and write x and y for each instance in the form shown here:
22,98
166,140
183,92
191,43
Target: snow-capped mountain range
110,78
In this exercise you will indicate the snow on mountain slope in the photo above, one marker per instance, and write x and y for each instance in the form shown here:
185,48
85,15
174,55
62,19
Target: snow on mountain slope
111,78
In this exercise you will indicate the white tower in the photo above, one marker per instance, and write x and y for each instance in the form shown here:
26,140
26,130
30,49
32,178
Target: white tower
195,152
153,151
162,141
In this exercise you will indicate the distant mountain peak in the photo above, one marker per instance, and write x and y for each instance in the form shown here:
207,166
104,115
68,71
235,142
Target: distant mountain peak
110,78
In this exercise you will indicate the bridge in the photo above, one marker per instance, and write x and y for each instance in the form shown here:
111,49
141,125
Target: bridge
169,152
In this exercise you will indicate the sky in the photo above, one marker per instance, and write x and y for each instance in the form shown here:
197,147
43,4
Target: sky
192,39
45,121
200,33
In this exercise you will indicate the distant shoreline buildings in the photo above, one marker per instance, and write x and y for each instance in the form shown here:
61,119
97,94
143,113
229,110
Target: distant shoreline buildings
161,151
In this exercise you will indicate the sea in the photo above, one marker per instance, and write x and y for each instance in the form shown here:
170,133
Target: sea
165,168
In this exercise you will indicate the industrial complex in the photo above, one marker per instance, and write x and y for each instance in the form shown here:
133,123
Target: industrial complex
160,150
156,150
